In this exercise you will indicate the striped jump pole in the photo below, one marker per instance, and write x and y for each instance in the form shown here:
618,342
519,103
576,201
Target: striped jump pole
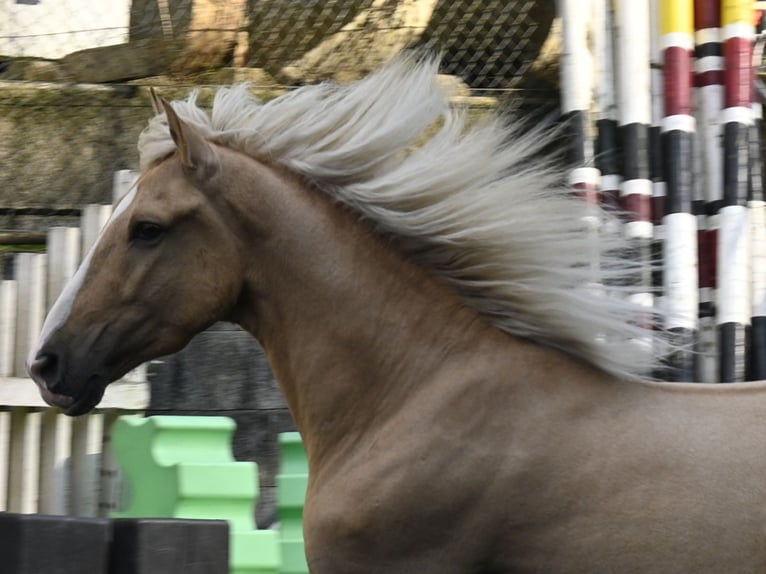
607,138
576,88
577,72
733,253
708,85
632,27
656,158
757,207
678,133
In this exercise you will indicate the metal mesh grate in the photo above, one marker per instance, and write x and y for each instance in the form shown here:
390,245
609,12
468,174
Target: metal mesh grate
71,101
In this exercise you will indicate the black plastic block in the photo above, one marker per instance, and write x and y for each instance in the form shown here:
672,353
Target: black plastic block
169,546
42,544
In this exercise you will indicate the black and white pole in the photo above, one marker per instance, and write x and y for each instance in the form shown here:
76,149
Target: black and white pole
678,126
757,207
634,114
733,262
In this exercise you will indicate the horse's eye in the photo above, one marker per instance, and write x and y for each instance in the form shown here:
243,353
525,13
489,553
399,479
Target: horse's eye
146,232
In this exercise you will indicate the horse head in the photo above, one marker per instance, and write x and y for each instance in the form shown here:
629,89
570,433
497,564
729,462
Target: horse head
163,269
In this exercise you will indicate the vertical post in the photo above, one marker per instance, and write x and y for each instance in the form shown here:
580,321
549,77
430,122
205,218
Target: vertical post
678,127
8,304
576,87
110,474
733,254
55,451
87,433
92,221
23,485
30,274
124,180
757,206
607,141
632,19
5,458
63,258
708,82
577,70
656,159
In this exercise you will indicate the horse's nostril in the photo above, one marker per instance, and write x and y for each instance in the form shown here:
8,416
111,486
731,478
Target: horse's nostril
45,371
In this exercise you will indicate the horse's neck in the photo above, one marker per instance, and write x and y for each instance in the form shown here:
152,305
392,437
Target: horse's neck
350,326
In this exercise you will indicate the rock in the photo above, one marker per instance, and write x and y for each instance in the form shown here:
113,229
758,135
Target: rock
120,62
211,30
365,44
34,70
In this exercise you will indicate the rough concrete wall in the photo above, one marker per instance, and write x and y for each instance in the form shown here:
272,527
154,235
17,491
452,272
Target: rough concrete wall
59,145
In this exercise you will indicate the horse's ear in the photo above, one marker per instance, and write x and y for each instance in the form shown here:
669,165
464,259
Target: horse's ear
156,102
198,158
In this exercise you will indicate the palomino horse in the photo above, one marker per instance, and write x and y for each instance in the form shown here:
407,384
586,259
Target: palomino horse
468,395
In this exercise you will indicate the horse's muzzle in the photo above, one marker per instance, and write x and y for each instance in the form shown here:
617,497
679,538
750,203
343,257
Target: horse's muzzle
47,372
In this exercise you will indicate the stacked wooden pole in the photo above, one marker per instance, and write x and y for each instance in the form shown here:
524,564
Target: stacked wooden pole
656,158
632,27
757,206
733,245
678,133
687,161
577,84
708,82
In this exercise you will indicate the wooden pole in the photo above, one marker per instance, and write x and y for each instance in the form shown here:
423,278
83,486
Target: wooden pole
733,254
678,127
757,206
656,160
708,82
634,114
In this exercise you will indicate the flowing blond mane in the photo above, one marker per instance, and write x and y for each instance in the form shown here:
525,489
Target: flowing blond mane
475,202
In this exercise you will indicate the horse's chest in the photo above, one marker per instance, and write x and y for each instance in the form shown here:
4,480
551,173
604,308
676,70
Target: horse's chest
397,514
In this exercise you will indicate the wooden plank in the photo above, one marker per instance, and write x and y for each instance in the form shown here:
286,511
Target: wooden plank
23,481
8,297
63,259
55,452
31,289
122,394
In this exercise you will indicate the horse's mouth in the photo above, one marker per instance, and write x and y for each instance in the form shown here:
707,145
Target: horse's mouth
75,406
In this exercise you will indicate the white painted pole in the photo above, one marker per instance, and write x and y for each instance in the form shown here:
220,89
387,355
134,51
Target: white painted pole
92,221
124,180
8,298
63,259
55,452
110,473
5,458
30,274
23,482
87,438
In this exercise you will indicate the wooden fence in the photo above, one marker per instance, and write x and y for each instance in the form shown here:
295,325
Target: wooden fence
51,463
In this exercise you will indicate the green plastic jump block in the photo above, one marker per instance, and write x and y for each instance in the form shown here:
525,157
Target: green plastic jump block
292,482
182,467
256,552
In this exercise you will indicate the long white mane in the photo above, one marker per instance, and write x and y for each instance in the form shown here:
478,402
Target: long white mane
472,202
